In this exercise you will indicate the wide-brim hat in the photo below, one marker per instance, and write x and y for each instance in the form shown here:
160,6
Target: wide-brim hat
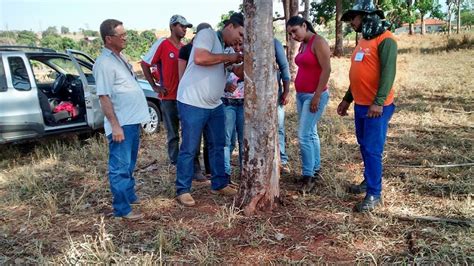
362,7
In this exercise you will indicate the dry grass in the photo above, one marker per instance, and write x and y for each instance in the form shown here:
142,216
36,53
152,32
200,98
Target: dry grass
55,200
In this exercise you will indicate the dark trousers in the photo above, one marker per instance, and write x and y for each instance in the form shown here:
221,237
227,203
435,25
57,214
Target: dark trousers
371,134
169,111
194,121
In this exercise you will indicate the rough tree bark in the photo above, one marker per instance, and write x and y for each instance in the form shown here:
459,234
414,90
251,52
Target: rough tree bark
338,47
411,27
306,10
449,5
259,189
422,21
458,22
290,9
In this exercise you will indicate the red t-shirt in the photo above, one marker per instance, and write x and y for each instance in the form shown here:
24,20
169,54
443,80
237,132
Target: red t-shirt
165,57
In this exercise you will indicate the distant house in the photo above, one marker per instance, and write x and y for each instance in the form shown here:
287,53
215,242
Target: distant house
90,38
431,26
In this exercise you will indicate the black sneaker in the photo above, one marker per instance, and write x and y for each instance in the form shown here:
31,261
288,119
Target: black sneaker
309,182
368,204
358,189
317,175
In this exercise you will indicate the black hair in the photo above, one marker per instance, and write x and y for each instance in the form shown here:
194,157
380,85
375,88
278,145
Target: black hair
299,21
107,28
236,19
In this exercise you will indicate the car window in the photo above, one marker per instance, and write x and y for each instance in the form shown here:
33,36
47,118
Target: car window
43,73
3,79
19,73
66,65
89,76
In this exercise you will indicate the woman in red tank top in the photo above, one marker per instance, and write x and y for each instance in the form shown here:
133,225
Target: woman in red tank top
312,94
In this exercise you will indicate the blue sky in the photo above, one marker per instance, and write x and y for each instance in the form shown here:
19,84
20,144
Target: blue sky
37,15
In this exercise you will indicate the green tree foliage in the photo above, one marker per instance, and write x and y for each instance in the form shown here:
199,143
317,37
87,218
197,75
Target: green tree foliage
64,30
324,11
50,31
27,38
91,48
148,36
58,43
137,43
227,15
136,46
68,43
51,41
402,11
467,17
429,7
224,17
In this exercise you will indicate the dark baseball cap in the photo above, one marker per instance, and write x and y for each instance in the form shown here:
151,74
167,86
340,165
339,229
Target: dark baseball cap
202,26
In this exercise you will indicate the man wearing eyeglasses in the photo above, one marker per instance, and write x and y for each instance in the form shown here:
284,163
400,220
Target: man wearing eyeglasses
124,105
164,54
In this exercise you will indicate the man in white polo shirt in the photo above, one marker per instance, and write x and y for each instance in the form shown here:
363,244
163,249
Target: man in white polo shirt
124,105
200,106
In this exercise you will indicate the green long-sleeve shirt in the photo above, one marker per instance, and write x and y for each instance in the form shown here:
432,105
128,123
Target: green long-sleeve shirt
387,51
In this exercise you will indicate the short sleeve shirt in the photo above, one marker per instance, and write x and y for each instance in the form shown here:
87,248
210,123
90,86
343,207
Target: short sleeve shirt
115,78
203,86
164,54
185,52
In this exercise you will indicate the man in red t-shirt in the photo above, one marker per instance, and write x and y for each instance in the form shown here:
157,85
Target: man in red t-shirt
164,56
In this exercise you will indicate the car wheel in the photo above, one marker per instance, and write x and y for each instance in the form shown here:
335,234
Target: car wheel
154,125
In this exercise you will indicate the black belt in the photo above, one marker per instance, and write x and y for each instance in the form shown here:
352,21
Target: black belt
230,101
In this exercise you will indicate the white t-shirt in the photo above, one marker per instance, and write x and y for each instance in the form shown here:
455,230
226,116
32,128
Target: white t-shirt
114,77
203,86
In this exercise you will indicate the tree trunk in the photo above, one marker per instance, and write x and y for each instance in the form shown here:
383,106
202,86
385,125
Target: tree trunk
411,28
458,28
259,189
422,21
449,18
306,10
339,46
290,8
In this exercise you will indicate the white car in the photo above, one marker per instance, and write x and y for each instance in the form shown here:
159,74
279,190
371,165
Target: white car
44,92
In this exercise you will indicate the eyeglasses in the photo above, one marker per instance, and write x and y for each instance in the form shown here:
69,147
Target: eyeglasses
121,36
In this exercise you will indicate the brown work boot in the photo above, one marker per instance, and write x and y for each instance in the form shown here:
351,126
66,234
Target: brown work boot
186,199
133,216
200,178
226,191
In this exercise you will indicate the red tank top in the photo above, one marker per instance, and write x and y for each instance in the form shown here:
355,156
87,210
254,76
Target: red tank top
309,70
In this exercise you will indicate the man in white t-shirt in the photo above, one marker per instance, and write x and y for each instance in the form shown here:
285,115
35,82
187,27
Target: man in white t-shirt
200,106
124,105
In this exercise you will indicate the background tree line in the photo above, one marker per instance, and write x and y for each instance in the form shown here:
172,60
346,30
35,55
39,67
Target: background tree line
326,13
87,41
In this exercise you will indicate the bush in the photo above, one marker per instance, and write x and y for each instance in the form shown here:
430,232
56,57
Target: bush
456,43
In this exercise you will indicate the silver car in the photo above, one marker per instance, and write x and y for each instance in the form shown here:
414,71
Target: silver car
44,92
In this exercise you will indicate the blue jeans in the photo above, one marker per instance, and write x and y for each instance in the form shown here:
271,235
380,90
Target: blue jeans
281,134
122,160
169,111
194,121
310,150
371,134
234,120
